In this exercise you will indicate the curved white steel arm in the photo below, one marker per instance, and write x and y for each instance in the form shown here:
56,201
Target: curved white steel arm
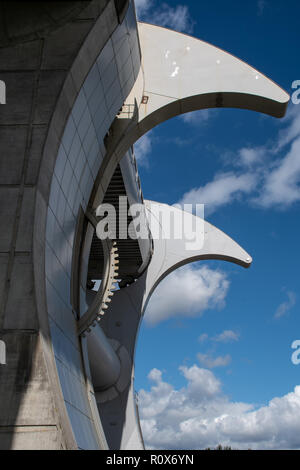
128,304
180,74
182,70
170,253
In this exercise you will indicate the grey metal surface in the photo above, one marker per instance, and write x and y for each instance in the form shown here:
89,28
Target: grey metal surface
104,363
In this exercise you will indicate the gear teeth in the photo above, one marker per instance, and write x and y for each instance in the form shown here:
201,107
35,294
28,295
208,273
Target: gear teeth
100,315
111,287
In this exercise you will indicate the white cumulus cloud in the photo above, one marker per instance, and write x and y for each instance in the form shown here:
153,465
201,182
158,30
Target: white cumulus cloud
187,292
224,189
286,306
142,149
292,130
250,156
261,5
198,117
206,360
282,184
227,336
142,6
203,337
267,176
162,14
199,415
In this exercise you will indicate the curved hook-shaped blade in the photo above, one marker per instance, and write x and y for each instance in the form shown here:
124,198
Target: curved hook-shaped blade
182,74
199,240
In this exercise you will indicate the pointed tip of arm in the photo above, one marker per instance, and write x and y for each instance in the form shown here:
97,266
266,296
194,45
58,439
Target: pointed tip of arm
223,247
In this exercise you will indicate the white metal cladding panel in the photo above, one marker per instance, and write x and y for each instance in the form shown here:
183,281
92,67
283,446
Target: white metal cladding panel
61,313
82,428
78,161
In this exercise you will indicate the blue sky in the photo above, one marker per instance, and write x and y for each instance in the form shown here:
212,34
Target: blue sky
213,362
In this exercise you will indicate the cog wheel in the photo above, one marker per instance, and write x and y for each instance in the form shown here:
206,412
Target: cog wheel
106,290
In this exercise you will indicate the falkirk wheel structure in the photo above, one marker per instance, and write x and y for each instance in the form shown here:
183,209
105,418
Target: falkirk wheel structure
84,81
